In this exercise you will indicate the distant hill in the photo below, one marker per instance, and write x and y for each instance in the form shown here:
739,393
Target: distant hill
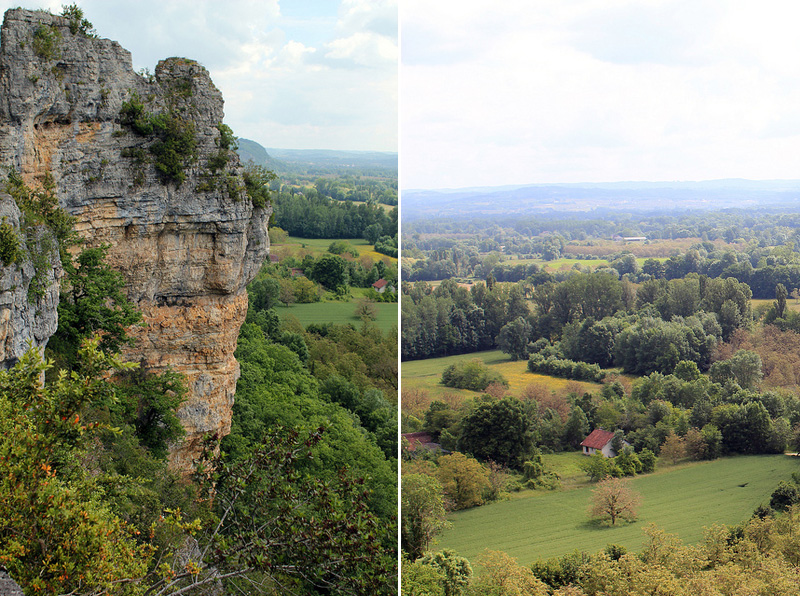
252,151
318,161
630,196
324,157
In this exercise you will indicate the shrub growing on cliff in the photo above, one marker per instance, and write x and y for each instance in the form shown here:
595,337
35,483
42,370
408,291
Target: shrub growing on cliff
92,301
9,243
44,226
133,114
174,146
40,206
256,183
45,42
78,25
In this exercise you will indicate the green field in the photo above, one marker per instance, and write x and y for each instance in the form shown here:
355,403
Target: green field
681,500
426,374
339,313
319,246
434,366
791,303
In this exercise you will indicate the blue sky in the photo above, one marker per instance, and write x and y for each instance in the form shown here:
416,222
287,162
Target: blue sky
298,74
520,92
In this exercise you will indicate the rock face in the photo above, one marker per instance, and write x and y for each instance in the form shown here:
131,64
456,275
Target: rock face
8,587
187,243
27,317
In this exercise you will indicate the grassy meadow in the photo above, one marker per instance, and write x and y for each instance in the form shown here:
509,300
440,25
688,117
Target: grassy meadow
422,377
765,303
340,313
681,500
335,311
299,247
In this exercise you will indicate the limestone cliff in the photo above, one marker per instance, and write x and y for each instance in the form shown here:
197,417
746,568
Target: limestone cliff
174,210
28,298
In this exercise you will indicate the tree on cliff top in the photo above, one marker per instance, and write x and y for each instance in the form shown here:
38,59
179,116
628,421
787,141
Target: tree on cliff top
78,24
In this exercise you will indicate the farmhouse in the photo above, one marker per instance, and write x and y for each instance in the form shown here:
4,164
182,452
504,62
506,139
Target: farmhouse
381,285
421,441
599,440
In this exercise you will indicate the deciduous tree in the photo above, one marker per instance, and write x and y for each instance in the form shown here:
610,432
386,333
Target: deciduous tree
514,338
57,536
93,302
456,570
501,575
613,499
596,466
673,449
499,431
423,513
780,301
464,480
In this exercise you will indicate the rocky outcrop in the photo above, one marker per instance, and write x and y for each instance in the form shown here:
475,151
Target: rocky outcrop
8,587
142,163
28,298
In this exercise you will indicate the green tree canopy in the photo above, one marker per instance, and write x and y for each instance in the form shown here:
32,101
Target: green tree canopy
423,514
93,301
499,431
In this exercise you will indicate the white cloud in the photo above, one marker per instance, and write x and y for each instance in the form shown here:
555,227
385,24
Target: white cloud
293,53
375,16
365,49
561,91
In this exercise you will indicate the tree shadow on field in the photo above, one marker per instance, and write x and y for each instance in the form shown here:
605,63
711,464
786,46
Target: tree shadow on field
501,359
602,524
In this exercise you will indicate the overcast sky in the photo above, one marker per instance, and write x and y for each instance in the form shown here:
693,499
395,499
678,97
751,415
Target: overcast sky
296,74
515,92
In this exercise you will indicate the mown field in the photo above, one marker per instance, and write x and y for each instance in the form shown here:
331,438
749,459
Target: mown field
339,313
681,500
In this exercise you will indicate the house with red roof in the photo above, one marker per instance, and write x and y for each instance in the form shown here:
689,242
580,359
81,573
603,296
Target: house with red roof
421,441
381,285
418,440
600,440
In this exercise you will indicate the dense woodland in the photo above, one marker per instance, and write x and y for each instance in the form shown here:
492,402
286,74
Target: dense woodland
684,366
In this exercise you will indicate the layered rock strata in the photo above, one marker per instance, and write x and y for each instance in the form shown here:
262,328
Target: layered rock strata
187,245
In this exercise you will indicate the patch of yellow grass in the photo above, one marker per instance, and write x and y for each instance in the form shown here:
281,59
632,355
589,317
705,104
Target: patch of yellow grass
376,256
420,391
791,303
